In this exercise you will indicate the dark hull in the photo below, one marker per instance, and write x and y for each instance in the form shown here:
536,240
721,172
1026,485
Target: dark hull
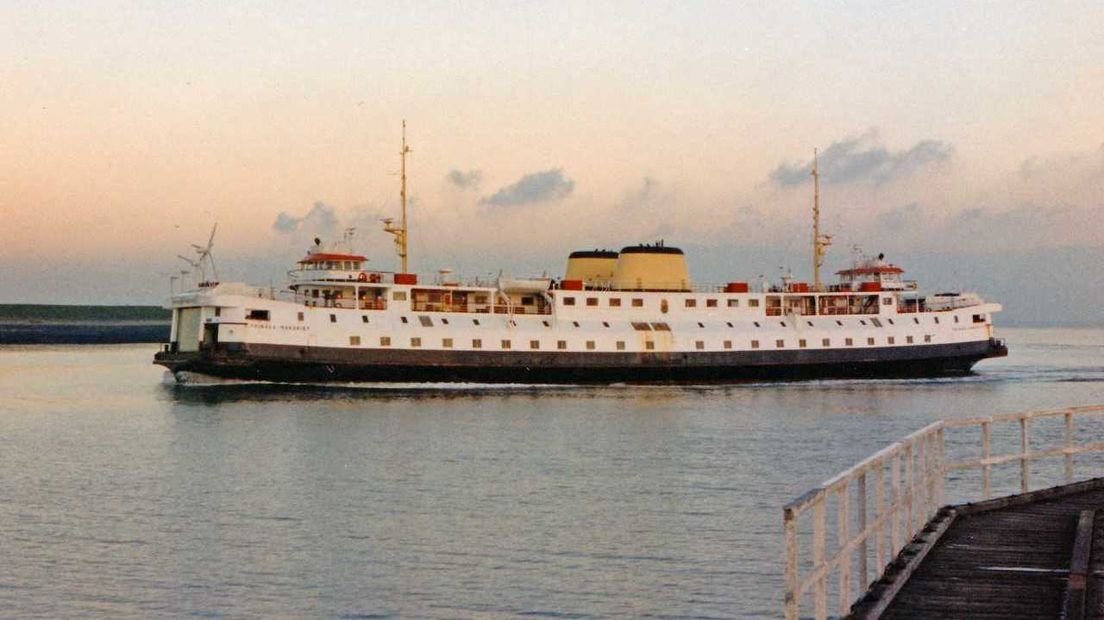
309,365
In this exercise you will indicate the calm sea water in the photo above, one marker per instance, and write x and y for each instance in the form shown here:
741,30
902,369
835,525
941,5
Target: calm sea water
121,495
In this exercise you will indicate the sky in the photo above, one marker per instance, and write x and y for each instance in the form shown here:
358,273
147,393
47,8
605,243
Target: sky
963,140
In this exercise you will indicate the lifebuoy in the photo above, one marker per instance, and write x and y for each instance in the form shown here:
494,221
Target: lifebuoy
362,277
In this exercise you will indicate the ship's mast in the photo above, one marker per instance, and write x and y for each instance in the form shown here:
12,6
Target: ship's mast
400,232
820,242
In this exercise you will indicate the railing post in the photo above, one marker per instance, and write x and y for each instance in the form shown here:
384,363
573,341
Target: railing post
820,591
1024,463
986,434
1069,446
910,490
879,511
843,536
860,501
895,519
791,602
918,481
941,489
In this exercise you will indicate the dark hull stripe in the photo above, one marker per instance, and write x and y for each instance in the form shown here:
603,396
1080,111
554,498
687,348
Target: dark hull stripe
299,364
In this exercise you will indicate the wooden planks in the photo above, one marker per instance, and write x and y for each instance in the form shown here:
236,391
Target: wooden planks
1008,558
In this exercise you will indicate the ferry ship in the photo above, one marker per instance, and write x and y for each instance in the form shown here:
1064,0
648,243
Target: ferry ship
631,316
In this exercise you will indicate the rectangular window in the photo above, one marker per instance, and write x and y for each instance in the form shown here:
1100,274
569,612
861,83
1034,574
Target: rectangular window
956,318
887,301
916,320
399,296
825,342
446,343
590,345
927,337
445,321
314,293
781,344
979,318
733,303
849,342
649,345
505,344
890,340
936,320
300,316
404,320
592,301
641,327
415,342
385,341
620,345
333,318
661,327
615,302
534,344
569,301
477,343
475,322
801,343
218,311
755,344
354,340
637,302
691,303
908,339
870,341
364,318
710,303
728,344
561,345
425,320
876,322
699,345
256,315
753,303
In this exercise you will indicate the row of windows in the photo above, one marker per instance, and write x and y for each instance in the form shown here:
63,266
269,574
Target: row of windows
477,343
637,302
426,321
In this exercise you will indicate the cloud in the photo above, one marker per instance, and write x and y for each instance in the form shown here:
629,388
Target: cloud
902,219
465,180
320,219
532,188
861,159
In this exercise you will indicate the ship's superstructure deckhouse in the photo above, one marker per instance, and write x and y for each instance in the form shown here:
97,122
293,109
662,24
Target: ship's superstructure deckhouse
624,316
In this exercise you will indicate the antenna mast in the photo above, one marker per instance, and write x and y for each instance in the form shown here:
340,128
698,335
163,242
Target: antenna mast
400,231
820,242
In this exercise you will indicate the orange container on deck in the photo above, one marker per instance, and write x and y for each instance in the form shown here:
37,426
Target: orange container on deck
870,287
736,287
799,287
406,278
571,285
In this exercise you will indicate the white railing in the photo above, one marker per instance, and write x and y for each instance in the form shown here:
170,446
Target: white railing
881,503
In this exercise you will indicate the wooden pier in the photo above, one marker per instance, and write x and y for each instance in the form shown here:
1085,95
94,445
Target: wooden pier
1036,554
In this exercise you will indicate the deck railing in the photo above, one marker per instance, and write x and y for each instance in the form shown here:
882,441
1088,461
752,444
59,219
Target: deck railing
881,503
